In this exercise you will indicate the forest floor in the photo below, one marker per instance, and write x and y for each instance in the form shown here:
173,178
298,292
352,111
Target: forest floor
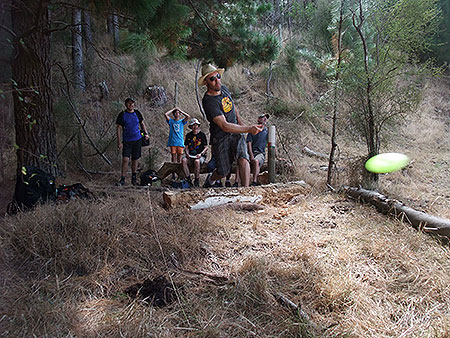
342,268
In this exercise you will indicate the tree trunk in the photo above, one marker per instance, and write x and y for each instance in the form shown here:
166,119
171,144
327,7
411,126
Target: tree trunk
115,32
197,69
35,128
419,220
338,54
88,40
77,50
370,134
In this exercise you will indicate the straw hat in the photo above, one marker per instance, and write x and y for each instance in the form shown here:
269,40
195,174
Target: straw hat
206,71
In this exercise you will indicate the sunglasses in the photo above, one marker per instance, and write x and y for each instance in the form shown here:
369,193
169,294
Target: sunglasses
213,78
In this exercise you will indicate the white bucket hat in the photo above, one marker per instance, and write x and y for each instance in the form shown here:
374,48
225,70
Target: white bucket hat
192,122
206,71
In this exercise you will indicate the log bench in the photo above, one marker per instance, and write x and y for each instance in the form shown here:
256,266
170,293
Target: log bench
177,168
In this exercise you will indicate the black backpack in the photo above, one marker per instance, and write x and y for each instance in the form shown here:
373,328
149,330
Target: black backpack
65,193
33,185
148,177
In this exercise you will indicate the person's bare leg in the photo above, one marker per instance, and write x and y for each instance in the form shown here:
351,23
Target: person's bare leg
125,161
134,166
256,170
244,172
197,169
215,176
173,157
184,162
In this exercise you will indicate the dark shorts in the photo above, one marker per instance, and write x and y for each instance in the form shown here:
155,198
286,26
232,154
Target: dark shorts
132,148
226,150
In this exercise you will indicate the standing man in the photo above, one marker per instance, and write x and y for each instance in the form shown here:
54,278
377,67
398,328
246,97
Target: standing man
225,127
129,125
196,146
257,148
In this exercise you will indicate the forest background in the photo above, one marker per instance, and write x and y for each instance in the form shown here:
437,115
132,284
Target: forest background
347,79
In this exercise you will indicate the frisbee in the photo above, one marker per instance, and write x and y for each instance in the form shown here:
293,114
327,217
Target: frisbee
386,163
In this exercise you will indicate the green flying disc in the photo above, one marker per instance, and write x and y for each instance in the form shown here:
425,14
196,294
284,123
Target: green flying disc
386,163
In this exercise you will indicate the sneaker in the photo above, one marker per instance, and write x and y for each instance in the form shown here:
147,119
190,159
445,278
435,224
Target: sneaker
133,179
196,183
254,184
207,184
235,185
227,184
121,182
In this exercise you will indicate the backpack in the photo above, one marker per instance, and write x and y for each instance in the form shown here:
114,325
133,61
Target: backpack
33,185
149,177
66,193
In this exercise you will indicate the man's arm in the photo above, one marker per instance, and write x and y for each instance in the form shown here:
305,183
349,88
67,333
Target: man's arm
250,150
119,136
238,116
144,128
235,128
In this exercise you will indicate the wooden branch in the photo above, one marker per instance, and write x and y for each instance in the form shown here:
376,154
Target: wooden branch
313,153
419,220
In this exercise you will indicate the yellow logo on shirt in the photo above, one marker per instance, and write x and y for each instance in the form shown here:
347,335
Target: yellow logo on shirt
227,105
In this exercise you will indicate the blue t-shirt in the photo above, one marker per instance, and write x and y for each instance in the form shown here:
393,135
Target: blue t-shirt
259,141
130,123
176,133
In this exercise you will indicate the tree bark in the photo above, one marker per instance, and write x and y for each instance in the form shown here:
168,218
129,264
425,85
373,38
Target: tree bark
115,32
197,69
338,52
77,50
35,128
88,39
419,220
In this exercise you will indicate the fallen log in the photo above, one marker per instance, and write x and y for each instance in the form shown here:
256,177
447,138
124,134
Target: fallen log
418,219
236,197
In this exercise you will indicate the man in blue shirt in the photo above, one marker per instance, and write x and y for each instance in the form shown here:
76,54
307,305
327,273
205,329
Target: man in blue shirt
130,122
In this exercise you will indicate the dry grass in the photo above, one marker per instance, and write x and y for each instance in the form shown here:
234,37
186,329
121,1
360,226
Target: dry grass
353,271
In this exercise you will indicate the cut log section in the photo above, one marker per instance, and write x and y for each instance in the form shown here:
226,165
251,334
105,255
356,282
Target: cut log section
419,220
237,198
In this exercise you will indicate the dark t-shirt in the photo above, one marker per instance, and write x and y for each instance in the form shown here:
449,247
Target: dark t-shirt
130,123
221,104
259,141
195,143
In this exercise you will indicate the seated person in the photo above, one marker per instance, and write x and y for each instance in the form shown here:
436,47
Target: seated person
257,148
196,146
